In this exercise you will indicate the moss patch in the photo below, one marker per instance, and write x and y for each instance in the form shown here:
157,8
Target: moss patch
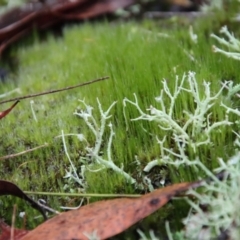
136,58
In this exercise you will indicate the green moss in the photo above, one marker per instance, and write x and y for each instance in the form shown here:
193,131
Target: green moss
136,61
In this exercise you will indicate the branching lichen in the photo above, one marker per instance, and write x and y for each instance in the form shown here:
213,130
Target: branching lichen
232,43
221,197
93,152
196,130
222,201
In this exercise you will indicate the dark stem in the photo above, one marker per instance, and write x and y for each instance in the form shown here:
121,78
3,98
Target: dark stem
54,91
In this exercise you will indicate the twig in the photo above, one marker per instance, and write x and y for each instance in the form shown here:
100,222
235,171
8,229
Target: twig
13,222
21,153
163,15
54,91
83,194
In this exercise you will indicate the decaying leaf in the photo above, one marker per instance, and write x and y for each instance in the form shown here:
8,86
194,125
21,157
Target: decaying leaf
106,218
39,15
6,112
8,188
5,232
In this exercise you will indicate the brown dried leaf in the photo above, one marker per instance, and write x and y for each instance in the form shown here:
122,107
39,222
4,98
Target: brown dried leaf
39,15
5,232
5,113
9,188
105,218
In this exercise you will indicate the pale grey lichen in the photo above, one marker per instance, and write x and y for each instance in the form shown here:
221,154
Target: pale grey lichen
197,128
212,5
16,90
232,43
193,36
222,201
221,196
94,155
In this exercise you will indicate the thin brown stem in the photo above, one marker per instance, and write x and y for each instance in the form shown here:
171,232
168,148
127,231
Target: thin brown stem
54,91
21,153
13,222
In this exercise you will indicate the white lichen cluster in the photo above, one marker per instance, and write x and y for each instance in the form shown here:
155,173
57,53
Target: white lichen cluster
197,127
221,197
16,90
212,5
232,43
94,154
